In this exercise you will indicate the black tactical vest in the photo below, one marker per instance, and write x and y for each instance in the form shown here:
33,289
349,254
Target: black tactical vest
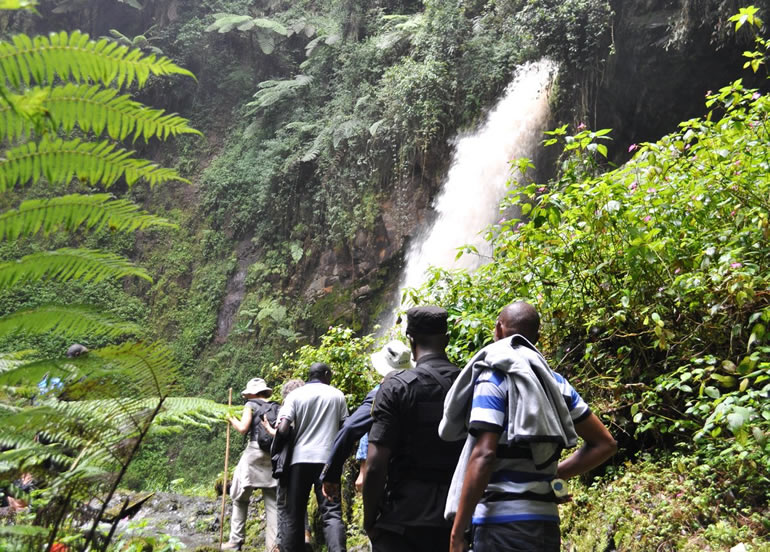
421,454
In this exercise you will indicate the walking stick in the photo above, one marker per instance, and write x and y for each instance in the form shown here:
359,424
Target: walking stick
224,476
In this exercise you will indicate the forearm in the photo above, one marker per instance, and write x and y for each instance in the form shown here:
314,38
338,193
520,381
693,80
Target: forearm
585,459
239,427
598,446
374,484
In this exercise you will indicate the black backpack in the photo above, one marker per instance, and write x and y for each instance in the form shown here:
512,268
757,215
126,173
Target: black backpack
269,410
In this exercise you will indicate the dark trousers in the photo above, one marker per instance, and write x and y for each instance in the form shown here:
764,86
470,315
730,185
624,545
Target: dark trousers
517,536
413,539
301,478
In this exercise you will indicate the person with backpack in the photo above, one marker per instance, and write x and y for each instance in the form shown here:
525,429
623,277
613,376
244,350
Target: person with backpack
254,470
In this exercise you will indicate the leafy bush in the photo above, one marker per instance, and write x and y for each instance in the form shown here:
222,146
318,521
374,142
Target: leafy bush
652,282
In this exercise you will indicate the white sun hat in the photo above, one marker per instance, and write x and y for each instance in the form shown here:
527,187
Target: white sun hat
393,356
255,387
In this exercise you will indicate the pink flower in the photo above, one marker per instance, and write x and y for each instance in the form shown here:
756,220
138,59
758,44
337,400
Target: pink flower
519,226
732,213
541,189
755,95
648,218
581,126
677,271
708,93
632,147
651,190
632,186
735,265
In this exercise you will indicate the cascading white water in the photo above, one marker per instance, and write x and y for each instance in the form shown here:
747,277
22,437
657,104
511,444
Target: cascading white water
478,177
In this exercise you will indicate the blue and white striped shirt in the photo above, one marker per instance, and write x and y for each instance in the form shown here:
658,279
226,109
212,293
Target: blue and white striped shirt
517,491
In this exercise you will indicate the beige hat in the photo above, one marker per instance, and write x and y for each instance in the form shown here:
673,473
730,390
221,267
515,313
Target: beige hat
255,387
393,356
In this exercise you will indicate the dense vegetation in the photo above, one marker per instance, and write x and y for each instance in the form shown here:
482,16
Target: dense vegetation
72,424
652,278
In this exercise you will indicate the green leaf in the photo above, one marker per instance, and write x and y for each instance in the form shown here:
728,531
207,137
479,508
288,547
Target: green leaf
58,161
712,392
738,418
72,321
68,264
92,108
74,56
68,213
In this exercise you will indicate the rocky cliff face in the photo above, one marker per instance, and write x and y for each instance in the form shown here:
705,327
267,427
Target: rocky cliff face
664,58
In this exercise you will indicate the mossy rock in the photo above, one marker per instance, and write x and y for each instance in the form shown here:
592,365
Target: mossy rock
138,544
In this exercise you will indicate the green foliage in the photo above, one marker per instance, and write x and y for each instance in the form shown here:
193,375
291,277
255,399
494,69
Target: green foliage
96,109
573,32
265,29
674,503
75,57
59,160
75,424
68,213
271,91
347,356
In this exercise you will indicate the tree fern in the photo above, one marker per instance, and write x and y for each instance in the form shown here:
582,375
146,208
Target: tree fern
66,264
272,91
74,56
93,109
70,212
266,30
59,160
96,416
72,321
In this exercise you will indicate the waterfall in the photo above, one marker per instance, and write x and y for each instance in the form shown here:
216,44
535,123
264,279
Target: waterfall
478,177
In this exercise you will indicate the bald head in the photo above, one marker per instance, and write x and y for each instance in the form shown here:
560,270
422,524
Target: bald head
518,318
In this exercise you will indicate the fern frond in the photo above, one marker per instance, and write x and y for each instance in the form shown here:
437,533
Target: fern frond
22,531
68,264
152,366
272,91
30,373
69,321
95,109
184,411
75,56
70,212
26,452
59,160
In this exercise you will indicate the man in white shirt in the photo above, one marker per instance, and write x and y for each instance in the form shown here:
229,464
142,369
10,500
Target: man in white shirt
316,412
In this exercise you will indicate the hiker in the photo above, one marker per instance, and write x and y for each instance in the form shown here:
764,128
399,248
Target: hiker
315,411
393,356
519,416
254,470
287,388
406,513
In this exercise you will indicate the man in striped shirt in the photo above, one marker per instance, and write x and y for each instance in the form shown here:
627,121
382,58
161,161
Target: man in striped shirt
506,495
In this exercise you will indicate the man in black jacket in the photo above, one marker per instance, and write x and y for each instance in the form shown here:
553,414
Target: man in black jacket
393,356
405,449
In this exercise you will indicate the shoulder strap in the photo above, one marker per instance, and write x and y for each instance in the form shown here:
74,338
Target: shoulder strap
406,376
444,382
